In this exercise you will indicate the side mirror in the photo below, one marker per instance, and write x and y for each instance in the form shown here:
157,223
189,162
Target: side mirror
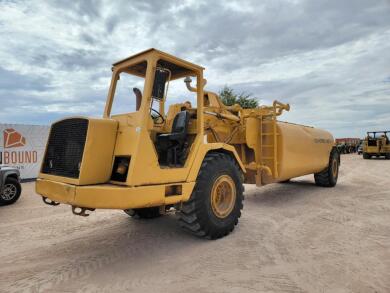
161,76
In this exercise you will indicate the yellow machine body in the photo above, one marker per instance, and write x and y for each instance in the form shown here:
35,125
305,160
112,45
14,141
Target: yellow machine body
274,151
116,163
377,144
293,139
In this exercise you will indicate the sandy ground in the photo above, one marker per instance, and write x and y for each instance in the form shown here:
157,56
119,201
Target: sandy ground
292,237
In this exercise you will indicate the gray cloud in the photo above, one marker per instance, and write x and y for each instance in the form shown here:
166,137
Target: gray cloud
14,81
329,59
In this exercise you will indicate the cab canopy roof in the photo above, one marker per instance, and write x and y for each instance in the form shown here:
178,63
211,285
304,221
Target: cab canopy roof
375,134
384,131
137,64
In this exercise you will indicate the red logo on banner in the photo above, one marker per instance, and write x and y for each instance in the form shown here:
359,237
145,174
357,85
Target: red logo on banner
13,139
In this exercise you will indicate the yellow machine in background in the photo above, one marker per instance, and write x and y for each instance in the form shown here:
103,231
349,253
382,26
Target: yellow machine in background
192,158
376,144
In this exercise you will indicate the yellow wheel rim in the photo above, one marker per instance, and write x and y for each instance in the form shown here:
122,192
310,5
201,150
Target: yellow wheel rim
223,196
334,168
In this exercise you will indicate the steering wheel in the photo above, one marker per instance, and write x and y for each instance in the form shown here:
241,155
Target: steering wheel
157,116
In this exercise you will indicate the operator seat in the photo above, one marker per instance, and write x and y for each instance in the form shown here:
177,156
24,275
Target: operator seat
171,146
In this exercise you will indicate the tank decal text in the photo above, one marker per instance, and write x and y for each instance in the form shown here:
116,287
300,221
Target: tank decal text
322,140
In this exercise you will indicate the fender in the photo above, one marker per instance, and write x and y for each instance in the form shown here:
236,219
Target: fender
202,152
6,172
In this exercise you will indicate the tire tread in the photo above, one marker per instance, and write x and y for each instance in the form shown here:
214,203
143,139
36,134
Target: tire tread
192,215
325,177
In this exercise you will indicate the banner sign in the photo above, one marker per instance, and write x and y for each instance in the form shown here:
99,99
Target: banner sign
23,147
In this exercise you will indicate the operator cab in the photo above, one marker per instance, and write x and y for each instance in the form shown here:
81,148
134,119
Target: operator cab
149,87
170,133
375,137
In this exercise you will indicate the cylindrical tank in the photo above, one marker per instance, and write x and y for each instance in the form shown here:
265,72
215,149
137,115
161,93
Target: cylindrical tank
301,150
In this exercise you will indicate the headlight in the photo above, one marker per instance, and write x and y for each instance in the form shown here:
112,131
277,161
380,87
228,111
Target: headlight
120,168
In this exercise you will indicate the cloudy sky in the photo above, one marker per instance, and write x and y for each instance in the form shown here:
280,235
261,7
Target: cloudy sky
329,59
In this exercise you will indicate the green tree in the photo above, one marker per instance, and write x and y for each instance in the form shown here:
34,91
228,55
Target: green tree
229,98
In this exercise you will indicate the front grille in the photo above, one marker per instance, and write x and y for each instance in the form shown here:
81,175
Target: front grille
65,148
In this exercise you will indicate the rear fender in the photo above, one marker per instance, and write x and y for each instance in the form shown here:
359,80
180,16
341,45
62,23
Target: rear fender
204,149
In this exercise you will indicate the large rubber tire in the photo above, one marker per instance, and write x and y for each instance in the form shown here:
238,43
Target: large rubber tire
144,213
197,215
11,191
329,176
366,156
387,156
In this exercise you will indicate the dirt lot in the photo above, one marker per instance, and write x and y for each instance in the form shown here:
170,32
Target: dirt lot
292,237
